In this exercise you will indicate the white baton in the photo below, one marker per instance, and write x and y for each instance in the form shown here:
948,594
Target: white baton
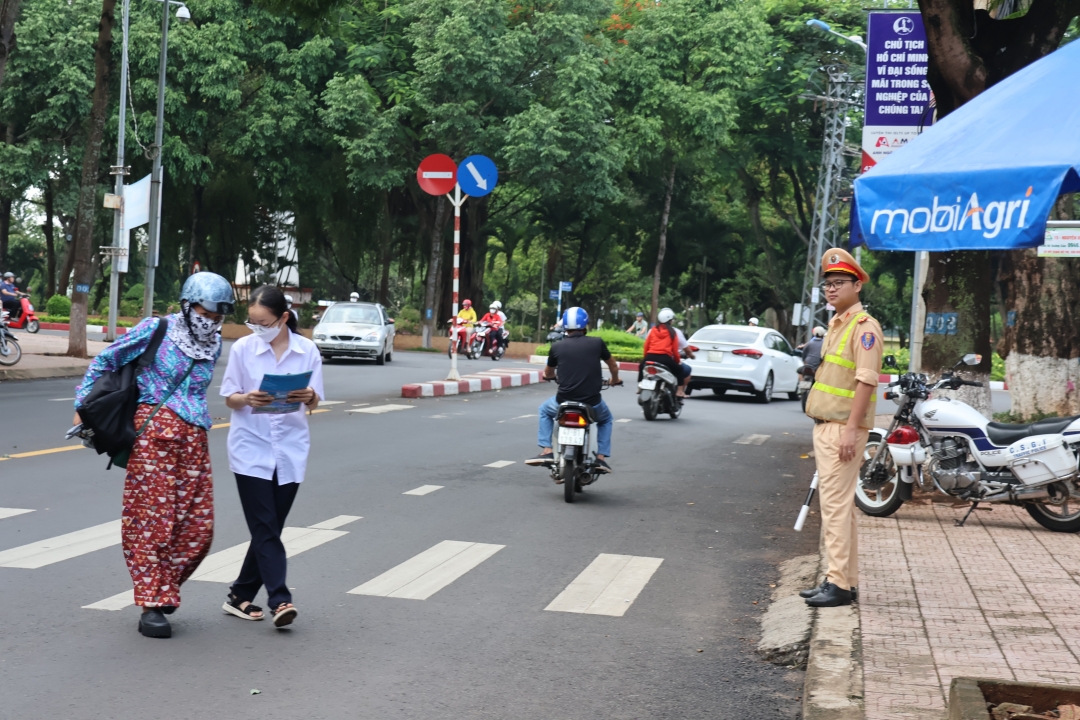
805,510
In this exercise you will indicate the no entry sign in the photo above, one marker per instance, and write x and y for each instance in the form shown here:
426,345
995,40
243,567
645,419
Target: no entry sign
437,174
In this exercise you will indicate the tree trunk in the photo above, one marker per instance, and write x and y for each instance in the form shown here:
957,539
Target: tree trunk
196,227
9,11
387,244
5,205
428,318
957,282
83,249
479,245
50,246
663,244
1043,343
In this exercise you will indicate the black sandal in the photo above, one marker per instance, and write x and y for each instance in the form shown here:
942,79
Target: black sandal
232,606
283,615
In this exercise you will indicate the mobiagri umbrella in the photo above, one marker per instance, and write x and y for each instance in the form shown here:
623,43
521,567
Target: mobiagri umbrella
987,175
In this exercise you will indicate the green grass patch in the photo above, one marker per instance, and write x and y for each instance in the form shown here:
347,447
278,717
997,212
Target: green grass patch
64,320
422,349
623,346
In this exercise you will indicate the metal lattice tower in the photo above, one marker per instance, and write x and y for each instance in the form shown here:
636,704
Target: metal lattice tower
841,93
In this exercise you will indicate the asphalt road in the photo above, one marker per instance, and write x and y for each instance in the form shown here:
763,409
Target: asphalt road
717,514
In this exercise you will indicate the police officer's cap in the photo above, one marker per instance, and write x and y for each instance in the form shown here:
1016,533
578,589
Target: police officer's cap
838,260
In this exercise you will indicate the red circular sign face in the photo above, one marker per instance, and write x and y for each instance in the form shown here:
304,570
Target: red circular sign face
437,174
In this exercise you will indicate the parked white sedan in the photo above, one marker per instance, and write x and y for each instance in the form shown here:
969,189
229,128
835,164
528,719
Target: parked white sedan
355,329
748,359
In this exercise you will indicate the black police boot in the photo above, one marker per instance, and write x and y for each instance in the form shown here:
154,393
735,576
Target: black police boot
153,624
830,596
811,592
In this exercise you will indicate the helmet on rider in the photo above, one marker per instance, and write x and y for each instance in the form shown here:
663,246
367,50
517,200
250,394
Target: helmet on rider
665,315
354,297
288,301
497,305
209,291
819,331
753,322
9,275
466,303
575,318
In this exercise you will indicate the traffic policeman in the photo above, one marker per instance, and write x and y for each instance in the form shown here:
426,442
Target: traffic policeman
841,402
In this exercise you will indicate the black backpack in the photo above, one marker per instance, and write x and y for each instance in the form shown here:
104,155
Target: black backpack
109,410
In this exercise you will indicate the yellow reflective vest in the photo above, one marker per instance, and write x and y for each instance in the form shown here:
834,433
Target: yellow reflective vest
834,383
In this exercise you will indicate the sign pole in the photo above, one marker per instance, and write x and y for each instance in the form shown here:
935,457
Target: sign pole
119,171
457,200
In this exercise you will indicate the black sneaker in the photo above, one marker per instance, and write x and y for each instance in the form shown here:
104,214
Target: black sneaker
542,460
153,624
602,467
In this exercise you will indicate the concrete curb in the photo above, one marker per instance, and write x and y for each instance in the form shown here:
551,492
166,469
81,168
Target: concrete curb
833,688
16,373
786,624
478,382
542,360
89,328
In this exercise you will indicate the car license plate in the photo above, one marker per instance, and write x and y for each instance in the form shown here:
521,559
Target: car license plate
716,356
647,385
571,436
342,346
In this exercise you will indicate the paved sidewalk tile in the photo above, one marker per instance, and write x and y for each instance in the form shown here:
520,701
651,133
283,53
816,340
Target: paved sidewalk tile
995,598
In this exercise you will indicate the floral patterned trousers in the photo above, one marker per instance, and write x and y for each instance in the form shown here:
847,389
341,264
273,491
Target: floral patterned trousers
168,517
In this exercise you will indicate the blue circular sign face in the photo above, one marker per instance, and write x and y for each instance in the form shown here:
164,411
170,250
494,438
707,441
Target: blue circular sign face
477,175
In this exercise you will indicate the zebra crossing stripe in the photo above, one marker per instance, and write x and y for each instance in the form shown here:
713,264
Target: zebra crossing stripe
423,575
12,512
63,547
608,586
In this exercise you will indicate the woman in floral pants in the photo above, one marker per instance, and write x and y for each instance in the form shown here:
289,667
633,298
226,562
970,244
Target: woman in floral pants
168,515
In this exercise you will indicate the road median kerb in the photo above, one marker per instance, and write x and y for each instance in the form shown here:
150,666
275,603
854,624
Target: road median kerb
479,382
833,688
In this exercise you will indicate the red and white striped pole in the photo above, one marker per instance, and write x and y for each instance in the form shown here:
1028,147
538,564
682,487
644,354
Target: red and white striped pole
457,200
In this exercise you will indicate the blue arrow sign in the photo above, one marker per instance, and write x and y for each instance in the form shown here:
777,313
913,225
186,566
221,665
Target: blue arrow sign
477,175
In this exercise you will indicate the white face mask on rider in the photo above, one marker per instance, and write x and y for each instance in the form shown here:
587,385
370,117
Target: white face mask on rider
265,333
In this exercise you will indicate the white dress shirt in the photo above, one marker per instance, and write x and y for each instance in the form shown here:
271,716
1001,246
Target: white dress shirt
260,444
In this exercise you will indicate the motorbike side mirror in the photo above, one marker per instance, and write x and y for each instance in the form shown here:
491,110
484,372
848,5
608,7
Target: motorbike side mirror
972,359
890,361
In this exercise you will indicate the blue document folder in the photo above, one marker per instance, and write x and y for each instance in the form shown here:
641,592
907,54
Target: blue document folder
280,386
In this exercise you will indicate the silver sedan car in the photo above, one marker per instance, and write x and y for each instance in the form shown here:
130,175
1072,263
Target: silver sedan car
355,329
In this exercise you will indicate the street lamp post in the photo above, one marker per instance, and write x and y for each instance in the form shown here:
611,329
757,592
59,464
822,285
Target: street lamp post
119,170
182,14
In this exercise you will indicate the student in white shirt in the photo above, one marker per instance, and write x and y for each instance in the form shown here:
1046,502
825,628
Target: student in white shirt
268,452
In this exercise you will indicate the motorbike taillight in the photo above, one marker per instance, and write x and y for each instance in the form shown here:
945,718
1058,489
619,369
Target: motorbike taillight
572,419
903,435
651,370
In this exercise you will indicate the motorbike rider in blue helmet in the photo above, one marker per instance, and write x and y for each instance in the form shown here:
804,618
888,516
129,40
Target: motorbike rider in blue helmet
577,358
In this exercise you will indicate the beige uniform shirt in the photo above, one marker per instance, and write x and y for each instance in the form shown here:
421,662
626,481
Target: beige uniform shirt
863,347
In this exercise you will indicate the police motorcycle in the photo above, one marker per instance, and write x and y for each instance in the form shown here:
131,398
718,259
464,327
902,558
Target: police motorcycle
10,352
574,446
944,444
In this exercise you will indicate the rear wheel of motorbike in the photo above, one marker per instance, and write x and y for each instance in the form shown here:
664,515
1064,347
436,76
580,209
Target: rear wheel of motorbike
765,396
676,408
885,500
10,352
568,474
33,326
651,408
1063,516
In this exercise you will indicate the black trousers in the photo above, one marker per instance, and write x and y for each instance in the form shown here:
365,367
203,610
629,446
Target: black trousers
665,360
266,505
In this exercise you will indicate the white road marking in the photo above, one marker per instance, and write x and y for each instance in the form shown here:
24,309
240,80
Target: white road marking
624,420
62,547
425,574
60,399
519,417
12,512
224,565
361,404
608,586
116,602
437,417
500,464
380,409
335,522
752,439
331,402
423,490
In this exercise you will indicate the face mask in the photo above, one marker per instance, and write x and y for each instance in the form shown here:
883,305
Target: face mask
203,328
266,334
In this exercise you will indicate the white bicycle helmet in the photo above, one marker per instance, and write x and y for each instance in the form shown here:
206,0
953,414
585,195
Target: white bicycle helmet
665,315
